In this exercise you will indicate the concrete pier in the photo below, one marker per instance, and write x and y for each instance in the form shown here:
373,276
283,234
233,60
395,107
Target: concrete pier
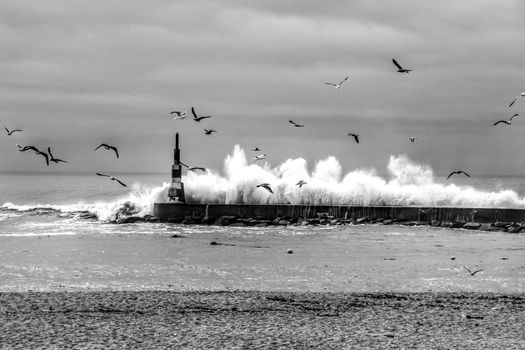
178,212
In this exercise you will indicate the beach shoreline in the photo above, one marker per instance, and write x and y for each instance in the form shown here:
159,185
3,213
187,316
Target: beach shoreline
261,320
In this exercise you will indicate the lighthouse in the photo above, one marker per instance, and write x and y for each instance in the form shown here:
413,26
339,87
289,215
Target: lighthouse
176,191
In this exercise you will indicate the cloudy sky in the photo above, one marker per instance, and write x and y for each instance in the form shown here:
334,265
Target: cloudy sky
77,73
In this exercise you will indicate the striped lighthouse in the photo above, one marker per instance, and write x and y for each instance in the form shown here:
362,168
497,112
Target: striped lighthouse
176,191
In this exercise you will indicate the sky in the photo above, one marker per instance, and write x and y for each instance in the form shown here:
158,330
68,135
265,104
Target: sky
76,73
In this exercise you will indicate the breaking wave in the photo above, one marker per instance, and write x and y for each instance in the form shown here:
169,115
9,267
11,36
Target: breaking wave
408,184
138,202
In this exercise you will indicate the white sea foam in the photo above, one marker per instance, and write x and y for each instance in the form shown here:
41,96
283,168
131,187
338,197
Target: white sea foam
137,202
408,183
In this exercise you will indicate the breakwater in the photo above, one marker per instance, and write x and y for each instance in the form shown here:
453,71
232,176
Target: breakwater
510,220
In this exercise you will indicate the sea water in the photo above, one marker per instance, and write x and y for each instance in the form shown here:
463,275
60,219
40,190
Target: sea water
71,203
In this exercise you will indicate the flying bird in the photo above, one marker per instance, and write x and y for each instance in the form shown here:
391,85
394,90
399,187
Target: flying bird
179,115
256,149
113,178
399,68
515,98
9,133
337,86
108,147
27,148
300,183
413,139
295,124
508,122
53,159
193,168
457,172
472,273
355,136
209,131
197,118
266,186
34,149
260,157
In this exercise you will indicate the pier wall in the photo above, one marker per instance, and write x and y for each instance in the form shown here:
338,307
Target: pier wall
178,211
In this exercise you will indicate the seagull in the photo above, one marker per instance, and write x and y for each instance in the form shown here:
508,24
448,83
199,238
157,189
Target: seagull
209,132
113,178
400,69
300,183
193,168
413,139
472,273
337,86
266,186
515,98
196,118
256,149
295,124
179,115
53,159
27,148
36,150
457,172
108,147
355,136
9,133
260,157
506,121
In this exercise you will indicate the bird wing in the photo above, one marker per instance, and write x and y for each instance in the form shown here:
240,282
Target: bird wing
6,129
101,145
452,173
99,174
177,113
397,64
466,268
356,137
292,122
515,115
500,121
342,81
510,105
114,149
462,172
193,112
49,151
120,182
475,272
331,84
45,156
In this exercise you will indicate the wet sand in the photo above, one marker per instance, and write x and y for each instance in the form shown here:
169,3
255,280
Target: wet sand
343,287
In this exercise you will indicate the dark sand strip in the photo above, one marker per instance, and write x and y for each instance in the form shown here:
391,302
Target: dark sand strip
261,320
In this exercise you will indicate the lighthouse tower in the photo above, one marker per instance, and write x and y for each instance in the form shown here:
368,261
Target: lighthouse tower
176,191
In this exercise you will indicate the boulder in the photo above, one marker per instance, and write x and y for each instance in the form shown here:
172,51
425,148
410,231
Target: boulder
132,219
190,220
225,220
514,229
313,221
362,220
387,222
174,220
153,219
283,223
472,225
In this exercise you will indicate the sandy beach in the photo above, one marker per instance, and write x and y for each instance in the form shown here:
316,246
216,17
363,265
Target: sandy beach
342,287
261,320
